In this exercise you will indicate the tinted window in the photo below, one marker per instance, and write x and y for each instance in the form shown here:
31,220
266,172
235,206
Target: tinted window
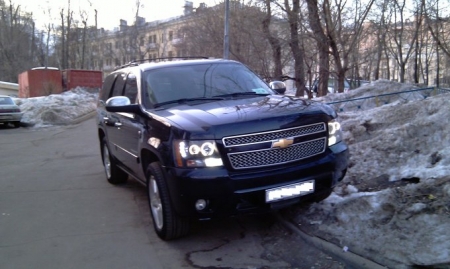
119,85
201,80
131,88
107,87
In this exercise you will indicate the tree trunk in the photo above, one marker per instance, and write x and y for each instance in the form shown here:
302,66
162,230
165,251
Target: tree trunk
274,43
322,45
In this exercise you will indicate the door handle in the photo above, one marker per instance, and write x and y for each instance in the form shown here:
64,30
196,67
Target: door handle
118,124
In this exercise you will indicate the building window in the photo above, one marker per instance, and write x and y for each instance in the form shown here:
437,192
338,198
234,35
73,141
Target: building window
117,45
170,35
141,41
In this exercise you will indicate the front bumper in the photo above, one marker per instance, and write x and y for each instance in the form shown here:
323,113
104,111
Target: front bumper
232,193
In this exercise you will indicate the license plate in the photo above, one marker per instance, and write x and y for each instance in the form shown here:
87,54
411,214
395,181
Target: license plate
289,191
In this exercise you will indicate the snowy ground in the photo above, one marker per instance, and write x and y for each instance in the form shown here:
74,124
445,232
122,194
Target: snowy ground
393,206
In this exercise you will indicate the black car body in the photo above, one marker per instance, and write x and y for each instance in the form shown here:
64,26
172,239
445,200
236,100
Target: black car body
209,138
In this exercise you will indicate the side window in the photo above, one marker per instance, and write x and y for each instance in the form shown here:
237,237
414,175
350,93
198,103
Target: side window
131,88
119,85
108,83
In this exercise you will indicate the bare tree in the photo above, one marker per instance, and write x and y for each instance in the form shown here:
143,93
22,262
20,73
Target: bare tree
293,16
17,41
322,45
203,35
273,40
402,34
344,33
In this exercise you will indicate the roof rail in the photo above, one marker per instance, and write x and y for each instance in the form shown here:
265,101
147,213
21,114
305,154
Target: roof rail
136,62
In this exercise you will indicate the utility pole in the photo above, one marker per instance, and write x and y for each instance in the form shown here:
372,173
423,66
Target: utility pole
226,41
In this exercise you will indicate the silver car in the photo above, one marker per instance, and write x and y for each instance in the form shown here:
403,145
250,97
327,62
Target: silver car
9,111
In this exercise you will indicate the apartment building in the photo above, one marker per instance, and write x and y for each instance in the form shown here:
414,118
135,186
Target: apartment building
140,40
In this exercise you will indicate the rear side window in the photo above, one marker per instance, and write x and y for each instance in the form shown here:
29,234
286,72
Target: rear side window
107,87
131,88
119,85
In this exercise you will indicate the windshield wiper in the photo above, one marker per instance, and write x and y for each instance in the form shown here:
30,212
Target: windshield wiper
185,100
239,94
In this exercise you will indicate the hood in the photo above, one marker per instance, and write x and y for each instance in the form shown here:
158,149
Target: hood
237,116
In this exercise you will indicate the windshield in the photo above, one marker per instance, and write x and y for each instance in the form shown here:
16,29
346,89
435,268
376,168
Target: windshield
202,81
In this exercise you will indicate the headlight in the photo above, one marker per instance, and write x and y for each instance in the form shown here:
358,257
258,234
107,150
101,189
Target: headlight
202,153
334,132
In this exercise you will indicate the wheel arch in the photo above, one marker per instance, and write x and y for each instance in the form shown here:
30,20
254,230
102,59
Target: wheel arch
147,157
101,135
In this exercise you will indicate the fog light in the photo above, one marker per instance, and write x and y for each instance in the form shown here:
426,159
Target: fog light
200,204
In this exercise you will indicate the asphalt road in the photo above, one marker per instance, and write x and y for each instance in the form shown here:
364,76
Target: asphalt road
58,211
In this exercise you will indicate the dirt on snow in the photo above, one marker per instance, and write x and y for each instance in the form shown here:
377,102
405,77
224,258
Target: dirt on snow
393,206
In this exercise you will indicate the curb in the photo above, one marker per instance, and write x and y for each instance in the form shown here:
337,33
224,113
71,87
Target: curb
84,117
352,259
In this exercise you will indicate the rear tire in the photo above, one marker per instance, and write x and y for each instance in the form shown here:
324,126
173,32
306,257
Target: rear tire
166,222
16,124
114,174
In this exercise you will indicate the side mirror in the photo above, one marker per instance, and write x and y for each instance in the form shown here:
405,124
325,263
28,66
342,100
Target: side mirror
278,86
122,104
118,101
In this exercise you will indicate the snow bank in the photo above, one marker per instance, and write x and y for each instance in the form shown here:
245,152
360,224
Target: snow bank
58,109
394,204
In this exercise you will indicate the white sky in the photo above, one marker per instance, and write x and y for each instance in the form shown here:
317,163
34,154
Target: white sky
109,12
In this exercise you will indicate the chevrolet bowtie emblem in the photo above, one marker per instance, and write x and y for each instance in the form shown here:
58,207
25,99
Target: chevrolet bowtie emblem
283,143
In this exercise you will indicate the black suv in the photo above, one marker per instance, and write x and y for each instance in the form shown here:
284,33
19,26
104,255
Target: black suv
209,138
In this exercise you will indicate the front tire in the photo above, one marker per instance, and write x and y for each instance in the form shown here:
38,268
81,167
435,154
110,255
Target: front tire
166,222
114,174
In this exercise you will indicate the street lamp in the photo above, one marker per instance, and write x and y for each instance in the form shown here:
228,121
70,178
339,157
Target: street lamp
226,41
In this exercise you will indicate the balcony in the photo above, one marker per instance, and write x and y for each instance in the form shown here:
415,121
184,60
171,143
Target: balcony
152,46
177,42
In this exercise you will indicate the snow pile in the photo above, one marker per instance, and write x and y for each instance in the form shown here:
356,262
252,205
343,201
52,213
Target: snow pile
57,109
394,204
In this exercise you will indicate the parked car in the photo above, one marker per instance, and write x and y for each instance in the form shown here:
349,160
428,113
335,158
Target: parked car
208,138
9,111
332,85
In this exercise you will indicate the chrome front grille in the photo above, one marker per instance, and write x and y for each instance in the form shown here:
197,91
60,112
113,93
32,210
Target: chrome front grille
275,156
234,141
267,150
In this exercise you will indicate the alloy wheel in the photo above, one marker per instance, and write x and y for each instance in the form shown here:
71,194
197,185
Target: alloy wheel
155,203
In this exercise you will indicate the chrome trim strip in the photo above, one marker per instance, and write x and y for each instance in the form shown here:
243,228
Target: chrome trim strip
273,132
126,151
